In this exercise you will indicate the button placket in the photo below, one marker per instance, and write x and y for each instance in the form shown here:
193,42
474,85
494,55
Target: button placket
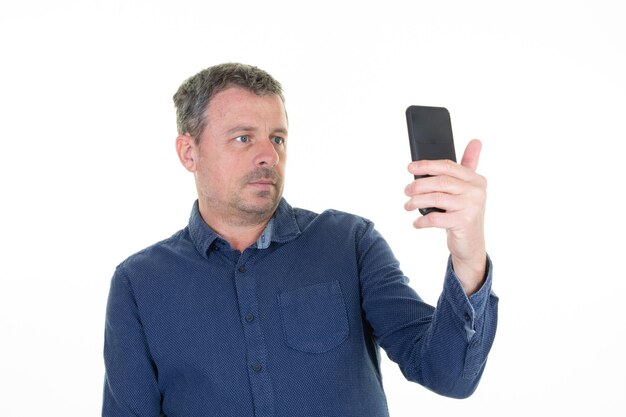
245,285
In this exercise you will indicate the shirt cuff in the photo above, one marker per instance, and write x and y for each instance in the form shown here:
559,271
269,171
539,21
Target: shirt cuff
469,309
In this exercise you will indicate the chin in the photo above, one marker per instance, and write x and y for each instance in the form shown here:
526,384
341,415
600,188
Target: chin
261,206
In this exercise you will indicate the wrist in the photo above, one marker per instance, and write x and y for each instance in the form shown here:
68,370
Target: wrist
471,273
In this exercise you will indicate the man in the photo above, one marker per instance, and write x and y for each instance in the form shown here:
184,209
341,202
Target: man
260,309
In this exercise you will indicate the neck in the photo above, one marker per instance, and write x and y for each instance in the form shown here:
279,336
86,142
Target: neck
239,232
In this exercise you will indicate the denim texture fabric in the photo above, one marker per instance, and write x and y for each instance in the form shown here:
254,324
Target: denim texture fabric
289,327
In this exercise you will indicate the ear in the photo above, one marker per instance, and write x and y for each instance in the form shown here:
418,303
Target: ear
186,150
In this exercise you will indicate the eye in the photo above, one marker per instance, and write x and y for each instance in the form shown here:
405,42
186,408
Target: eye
277,140
243,138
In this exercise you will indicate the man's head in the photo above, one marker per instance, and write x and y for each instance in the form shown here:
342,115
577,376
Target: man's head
232,136
193,96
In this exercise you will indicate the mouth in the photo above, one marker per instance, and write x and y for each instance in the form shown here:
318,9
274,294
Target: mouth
263,178
264,185
263,182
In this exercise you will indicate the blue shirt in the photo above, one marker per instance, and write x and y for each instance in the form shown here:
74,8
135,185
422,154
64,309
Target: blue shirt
290,327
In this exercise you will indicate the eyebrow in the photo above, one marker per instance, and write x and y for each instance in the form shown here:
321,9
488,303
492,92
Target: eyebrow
246,128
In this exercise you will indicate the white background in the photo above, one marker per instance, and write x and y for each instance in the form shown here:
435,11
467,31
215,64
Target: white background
89,175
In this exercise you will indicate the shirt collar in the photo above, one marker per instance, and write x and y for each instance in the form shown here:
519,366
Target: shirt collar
281,228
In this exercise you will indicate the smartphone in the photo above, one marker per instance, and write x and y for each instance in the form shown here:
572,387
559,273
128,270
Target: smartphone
430,137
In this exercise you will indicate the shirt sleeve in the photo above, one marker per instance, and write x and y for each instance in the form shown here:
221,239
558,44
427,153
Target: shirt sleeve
444,348
130,386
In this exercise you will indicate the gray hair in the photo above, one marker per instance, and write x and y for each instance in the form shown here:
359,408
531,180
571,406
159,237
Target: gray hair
194,95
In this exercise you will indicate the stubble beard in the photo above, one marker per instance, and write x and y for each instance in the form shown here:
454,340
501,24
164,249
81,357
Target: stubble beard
256,212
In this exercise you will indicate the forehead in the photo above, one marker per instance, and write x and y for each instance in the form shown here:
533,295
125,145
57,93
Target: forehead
237,103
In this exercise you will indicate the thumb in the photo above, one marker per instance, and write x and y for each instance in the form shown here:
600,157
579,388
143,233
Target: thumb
472,154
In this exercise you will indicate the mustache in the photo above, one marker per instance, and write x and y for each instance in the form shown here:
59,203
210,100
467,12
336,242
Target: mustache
262,174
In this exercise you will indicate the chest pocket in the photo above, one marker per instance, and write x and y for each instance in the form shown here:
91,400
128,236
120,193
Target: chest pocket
314,318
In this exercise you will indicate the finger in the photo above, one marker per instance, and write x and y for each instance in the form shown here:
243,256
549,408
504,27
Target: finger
448,202
472,154
434,219
441,167
438,183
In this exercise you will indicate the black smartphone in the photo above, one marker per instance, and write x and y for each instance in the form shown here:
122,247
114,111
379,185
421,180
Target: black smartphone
430,137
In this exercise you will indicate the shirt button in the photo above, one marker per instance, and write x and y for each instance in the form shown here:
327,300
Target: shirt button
467,317
257,367
242,269
249,317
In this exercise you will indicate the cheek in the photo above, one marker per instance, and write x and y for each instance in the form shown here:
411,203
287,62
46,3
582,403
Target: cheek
218,172
282,159
206,172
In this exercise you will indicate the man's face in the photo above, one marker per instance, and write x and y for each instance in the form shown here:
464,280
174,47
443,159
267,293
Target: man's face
240,159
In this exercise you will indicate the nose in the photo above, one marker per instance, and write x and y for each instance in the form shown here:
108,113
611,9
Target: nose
267,155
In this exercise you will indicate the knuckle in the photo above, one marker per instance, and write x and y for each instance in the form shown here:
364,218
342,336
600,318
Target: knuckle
477,194
468,219
444,182
482,182
483,196
438,198
435,218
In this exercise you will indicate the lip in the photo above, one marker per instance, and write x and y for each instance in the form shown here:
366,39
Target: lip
263,184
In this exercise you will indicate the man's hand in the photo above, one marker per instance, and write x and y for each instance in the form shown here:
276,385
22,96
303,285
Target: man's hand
459,190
